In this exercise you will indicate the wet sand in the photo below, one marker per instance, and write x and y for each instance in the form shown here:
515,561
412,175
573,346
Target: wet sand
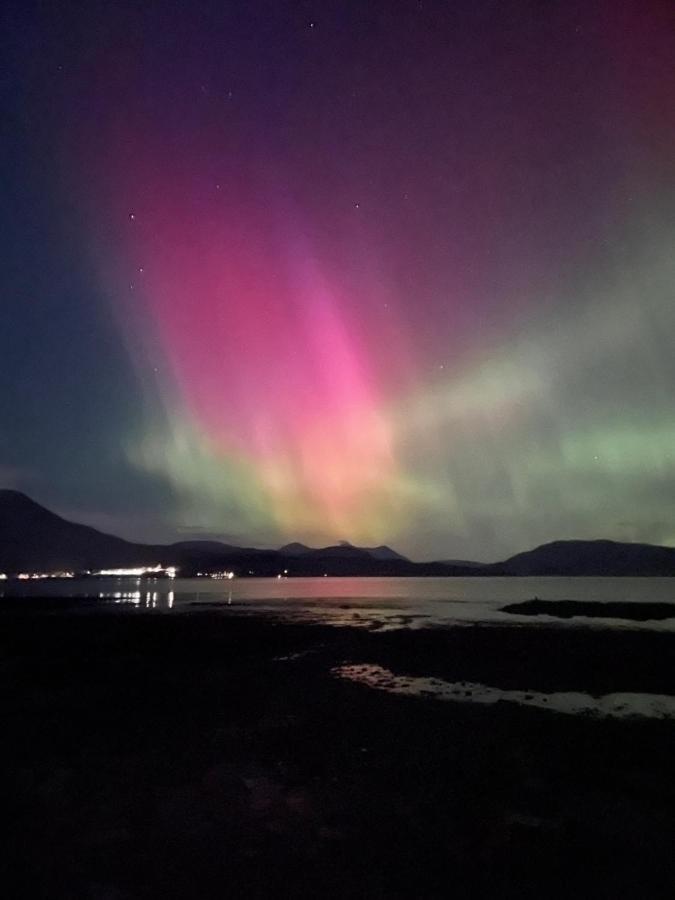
205,755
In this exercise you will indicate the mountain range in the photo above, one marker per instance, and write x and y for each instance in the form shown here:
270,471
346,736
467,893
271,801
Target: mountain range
34,539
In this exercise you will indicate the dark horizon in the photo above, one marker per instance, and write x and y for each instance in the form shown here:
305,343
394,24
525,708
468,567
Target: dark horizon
34,539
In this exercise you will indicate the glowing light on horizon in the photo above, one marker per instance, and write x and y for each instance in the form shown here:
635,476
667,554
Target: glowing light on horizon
40,576
137,571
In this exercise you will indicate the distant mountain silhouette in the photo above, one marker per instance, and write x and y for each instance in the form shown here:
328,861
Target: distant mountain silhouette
384,552
34,539
591,558
343,549
295,549
464,562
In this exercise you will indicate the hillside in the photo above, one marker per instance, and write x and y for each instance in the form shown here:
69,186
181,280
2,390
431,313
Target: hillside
591,558
33,539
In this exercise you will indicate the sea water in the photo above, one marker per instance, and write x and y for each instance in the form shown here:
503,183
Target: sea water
392,603
368,602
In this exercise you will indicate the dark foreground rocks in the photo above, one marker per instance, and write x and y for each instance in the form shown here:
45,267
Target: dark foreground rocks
566,609
204,756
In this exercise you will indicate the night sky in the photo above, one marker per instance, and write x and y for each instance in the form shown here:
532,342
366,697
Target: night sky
395,272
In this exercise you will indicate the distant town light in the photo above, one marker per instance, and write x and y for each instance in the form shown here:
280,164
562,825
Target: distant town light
41,576
138,571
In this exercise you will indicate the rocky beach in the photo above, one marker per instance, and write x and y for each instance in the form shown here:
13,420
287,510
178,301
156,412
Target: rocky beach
211,755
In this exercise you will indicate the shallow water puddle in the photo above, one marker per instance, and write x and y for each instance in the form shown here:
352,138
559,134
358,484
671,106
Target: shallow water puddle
621,705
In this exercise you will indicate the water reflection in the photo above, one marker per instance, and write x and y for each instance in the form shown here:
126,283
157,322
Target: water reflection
133,597
372,603
149,599
618,706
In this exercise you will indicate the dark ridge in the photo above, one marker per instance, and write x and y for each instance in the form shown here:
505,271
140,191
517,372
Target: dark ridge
600,558
295,549
565,609
464,562
33,539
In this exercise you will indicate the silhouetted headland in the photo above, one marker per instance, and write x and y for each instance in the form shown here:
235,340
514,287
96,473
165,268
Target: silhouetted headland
33,538
566,609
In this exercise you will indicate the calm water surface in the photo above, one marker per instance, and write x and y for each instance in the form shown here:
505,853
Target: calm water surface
389,603
371,602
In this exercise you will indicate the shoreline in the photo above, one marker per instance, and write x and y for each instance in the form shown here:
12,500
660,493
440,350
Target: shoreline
205,755
567,609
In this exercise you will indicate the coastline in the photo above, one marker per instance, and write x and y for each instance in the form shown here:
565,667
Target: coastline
206,755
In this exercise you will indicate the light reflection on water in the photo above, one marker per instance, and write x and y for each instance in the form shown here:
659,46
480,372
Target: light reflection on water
366,602
618,705
146,599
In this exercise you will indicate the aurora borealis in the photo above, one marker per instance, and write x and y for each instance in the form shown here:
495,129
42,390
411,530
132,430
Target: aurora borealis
391,273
